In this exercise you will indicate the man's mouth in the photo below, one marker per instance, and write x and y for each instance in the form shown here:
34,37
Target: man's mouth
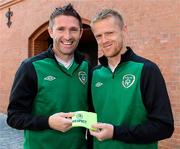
67,42
107,46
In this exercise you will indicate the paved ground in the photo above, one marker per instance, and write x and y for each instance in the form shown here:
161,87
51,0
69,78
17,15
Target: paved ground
9,138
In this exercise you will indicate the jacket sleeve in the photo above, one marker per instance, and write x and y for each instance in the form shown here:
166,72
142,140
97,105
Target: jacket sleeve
22,95
160,123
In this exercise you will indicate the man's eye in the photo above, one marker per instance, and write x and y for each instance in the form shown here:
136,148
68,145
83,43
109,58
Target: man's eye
98,36
109,33
60,29
74,29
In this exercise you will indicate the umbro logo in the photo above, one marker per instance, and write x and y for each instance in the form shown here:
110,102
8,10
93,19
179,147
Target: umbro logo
98,84
49,78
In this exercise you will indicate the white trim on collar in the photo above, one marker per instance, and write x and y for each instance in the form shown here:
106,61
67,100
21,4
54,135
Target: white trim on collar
67,65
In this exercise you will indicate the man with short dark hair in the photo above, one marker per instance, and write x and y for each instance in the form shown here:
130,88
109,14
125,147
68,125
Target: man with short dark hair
128,92
51,85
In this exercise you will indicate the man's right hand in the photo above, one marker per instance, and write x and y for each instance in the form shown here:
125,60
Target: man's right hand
61,121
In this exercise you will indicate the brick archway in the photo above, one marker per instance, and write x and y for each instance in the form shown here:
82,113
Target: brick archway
40,40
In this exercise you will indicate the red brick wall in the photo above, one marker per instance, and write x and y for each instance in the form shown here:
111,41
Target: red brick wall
154,33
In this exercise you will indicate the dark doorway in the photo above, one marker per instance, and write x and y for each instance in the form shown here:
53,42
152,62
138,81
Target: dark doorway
88,45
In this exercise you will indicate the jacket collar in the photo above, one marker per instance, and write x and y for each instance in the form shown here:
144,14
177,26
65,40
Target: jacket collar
78,58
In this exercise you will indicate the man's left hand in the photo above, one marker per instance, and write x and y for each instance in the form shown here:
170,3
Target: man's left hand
103,131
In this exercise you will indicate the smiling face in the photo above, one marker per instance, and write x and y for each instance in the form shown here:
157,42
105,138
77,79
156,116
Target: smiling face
109,36
66,34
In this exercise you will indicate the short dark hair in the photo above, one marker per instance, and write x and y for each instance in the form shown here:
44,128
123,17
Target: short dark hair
105,13
66,10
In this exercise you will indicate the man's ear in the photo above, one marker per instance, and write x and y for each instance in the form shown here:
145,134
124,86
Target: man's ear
125,35
125,28
81,32
50,31
124,31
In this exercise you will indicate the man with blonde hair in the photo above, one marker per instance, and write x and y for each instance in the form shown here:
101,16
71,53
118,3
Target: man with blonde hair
128,92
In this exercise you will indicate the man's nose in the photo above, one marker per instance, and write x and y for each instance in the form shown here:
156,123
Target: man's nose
67,35
104,39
